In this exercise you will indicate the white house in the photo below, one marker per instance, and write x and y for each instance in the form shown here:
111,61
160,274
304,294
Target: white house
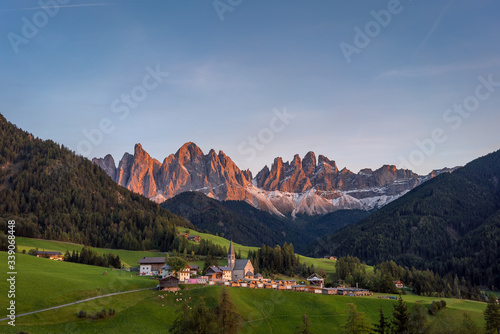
151,265
183,275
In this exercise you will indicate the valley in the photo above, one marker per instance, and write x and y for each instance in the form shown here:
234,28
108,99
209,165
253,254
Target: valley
84,206
263,310
248,167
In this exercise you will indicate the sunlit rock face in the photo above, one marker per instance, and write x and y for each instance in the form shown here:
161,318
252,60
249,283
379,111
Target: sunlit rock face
307,185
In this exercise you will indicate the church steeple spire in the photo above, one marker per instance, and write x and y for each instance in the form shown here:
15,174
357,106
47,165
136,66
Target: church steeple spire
231,257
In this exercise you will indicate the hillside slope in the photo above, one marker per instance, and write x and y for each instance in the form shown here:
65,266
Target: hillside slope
241,222
450,224
235,220
53,194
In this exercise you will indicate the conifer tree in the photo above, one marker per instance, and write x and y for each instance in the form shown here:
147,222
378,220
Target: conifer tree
383,326
492,315
468,326
304,327
229,321
400,317
356,322
418,321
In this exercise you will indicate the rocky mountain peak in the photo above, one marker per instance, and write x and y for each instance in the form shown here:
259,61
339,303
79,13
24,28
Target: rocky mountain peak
309,163
188,152
138,149
216,175
302,185
296,161
107,164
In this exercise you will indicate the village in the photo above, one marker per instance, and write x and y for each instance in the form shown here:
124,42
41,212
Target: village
238,273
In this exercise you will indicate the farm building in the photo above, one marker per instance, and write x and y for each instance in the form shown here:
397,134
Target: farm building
57,256
151,265
316,280
399,284
168,283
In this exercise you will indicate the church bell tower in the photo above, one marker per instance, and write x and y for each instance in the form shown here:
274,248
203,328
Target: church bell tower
231,257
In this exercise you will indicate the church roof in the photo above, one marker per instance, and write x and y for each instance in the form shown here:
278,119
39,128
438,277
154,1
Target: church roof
152,260
240,264
314,277
214,269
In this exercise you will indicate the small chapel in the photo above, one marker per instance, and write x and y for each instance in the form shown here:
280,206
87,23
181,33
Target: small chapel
239,268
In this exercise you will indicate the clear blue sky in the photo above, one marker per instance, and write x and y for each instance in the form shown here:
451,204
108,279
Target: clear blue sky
227,78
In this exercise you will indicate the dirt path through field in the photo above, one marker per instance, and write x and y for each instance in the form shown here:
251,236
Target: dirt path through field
77,302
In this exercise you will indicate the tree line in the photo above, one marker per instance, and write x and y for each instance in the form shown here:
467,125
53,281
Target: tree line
404,320
221,319
54,194
422,282
91,257
279,260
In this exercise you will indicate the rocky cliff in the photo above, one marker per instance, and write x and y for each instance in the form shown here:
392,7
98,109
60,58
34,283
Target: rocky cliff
307,185
215,175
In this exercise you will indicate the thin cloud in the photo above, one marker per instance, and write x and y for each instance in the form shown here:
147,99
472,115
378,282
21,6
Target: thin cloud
62,6
435,25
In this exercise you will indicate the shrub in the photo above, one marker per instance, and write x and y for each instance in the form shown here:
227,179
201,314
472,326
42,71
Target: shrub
436,306
98,315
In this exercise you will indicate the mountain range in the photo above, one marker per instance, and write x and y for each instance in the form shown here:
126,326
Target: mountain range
450,224
302,186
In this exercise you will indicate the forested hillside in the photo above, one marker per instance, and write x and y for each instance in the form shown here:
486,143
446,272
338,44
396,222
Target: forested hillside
54,194
249,226
450,224
234,220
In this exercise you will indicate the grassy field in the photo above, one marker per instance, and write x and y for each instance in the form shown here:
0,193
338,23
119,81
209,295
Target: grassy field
263,311
327,265
222,242
42,283
129,258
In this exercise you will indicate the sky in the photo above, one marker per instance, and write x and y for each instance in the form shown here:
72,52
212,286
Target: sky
414,84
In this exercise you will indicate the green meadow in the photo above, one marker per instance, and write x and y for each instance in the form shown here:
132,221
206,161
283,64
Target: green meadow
327,265
263,311
43,283
129,258
221,241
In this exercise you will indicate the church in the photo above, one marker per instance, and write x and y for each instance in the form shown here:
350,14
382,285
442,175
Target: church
239,268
